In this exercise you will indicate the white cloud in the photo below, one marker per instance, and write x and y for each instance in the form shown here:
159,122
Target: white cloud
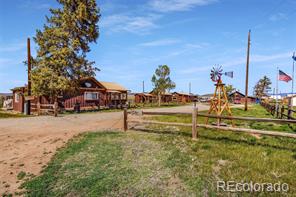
241,61
12,47
177,5
6,62
278,17
265,58
128,23
162,42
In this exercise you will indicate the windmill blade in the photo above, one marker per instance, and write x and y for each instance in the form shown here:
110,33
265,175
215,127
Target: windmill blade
229,74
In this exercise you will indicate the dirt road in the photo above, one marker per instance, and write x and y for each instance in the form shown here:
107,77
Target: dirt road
27,144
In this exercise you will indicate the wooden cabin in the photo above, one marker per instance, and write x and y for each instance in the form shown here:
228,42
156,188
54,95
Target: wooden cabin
144,98
166,98
180,97
92,94
239,98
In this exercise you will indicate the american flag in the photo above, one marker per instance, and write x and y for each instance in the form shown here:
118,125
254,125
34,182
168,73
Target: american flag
284,77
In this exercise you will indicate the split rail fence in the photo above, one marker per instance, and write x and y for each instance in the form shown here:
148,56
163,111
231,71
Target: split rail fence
283,112
194,125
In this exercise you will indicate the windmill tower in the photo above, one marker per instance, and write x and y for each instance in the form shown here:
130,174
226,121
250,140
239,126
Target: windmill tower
219,102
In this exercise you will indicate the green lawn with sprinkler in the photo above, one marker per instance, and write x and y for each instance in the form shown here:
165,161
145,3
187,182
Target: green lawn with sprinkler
167,162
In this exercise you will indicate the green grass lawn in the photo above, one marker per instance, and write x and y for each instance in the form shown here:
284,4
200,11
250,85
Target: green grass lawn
254,111
4,114
155,105
161,164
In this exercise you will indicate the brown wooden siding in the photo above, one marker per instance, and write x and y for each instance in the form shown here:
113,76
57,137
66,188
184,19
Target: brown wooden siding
18,106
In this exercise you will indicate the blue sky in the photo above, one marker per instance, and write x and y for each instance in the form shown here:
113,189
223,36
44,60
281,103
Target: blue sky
188,35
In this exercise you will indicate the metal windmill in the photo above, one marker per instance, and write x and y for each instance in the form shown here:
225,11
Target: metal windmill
219,102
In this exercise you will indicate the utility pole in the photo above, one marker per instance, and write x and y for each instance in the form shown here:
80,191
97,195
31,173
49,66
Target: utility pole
247,71
291,104
189,87
29,77
143,84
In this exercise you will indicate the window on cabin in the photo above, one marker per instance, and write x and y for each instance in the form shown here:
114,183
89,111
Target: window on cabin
89,96
16,97
123,96
114,96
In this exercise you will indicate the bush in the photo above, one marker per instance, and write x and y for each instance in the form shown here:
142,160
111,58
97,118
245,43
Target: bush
1,101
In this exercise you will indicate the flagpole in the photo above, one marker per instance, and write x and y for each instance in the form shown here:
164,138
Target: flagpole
277,89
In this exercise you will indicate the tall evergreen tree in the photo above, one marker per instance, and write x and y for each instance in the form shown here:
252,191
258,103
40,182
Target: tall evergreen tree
62,47
261,87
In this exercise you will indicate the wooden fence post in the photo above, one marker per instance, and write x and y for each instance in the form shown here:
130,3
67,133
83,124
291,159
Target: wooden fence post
282,111
194,123
38,108
125,126
289,114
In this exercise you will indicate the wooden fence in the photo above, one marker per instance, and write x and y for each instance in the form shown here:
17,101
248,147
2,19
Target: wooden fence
194,125
283,112
48,109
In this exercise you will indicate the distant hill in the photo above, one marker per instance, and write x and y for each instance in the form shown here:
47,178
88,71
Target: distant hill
6,94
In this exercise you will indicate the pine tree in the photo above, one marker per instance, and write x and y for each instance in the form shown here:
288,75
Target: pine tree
62,47
261,87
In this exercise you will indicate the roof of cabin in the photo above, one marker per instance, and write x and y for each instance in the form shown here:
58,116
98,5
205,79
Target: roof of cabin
112,86
237,92
144,94
183,93
107,85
